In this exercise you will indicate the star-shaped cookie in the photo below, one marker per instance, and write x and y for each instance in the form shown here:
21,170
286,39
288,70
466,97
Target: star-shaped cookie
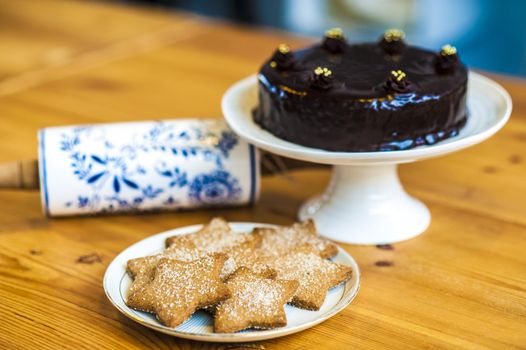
179,288
216,236
276,241
257,302
314,274
142,269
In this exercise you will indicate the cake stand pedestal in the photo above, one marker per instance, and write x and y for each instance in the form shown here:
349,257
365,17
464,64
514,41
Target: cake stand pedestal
365,203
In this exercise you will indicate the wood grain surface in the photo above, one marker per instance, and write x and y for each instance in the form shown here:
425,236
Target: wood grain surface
461,285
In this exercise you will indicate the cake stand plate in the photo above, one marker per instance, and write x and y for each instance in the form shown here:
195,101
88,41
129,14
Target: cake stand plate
365,202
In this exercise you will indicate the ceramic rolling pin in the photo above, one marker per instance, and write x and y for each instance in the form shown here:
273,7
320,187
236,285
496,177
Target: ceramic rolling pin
141,166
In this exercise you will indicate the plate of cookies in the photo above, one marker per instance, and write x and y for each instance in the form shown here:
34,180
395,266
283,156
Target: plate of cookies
232,282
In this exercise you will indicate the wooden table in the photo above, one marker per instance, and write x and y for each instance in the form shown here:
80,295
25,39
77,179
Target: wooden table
460,285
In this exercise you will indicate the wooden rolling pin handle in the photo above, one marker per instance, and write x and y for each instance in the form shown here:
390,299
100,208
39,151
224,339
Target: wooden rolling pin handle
19,174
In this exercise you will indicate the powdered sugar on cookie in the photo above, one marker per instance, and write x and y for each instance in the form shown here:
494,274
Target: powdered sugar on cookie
314,274
178,289
256,302
278,241
214,237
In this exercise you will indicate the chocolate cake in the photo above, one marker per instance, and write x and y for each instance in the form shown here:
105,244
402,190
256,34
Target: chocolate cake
380,96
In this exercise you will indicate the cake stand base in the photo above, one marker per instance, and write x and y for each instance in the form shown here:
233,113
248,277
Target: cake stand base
366,205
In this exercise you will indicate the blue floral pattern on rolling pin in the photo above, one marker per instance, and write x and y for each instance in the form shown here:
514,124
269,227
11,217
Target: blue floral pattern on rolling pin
118,180
214,188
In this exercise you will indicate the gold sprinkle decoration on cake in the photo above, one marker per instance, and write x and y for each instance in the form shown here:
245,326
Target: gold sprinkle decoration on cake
448,50
334,33
292,91
326,72
283,48
398,75
273,64
394,35
377,99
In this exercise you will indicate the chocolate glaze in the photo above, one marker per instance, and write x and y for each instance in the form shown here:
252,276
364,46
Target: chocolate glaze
357,112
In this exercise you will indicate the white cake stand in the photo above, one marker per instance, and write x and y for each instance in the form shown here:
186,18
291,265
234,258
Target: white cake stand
365,202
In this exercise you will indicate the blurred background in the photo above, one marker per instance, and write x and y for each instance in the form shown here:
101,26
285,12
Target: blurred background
490,34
